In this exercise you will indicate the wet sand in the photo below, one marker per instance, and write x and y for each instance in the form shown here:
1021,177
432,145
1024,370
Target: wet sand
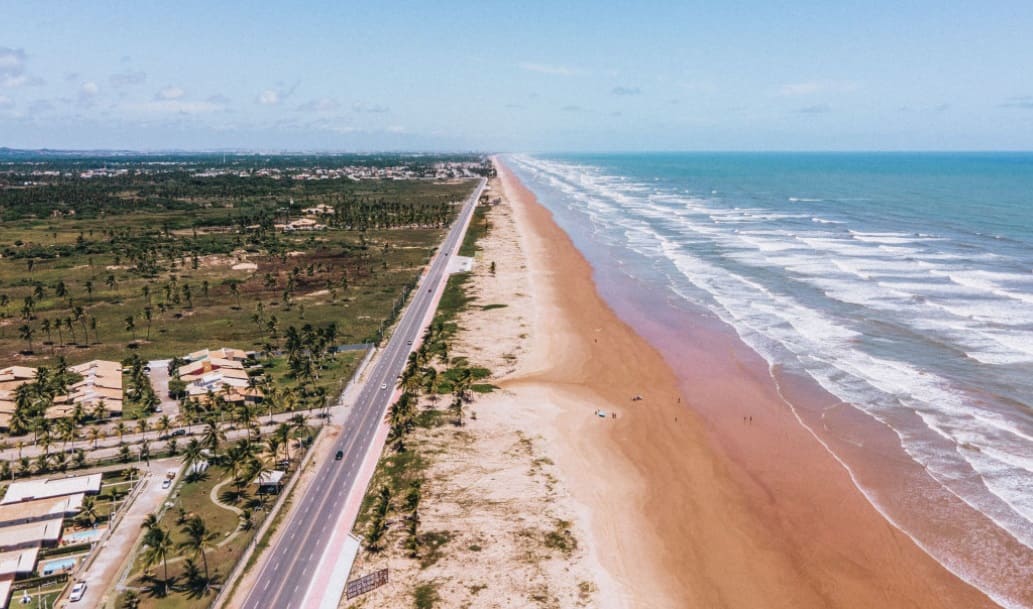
687,504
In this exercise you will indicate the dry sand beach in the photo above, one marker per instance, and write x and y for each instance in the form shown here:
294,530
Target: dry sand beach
668,507
674,521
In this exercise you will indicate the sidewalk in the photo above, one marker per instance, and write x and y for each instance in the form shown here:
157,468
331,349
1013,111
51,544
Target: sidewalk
117,549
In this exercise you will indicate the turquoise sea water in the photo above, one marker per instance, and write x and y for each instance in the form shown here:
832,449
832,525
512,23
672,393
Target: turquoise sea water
901,283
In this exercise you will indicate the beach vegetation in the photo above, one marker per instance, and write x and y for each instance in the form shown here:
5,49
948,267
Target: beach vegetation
425,596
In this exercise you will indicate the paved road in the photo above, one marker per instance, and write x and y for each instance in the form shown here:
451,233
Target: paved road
106,566
290,565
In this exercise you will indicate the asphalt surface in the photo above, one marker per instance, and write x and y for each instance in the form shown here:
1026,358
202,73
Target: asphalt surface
290,565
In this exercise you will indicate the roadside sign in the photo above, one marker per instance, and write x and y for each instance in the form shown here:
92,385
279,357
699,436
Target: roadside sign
366,583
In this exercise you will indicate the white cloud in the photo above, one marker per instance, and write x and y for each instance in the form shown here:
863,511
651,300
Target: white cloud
127,78
176,106
6,102
543,68
626,91
1024,102
369,108
269,97
324,104
169,92
12,69
88,89
816,86
815,109
273,97
12,61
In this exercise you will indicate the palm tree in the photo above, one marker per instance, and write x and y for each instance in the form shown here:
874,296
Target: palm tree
199,539
94,435
66,431
142,426
192,454
283,435
212,436
457,408
273,444
159,546
150,522
164,424
99,411
120,429
42,464
88,511
45,439
25,332
131,326
45,326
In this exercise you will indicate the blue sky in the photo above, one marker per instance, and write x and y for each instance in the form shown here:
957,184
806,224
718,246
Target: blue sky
517,76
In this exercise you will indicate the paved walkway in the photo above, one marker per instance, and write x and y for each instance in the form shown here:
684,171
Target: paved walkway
100,577
159,375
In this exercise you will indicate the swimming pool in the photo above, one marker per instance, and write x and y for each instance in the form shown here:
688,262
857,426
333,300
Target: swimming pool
57,565
84,536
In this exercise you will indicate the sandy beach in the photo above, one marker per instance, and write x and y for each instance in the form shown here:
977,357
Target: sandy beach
680,515
706,492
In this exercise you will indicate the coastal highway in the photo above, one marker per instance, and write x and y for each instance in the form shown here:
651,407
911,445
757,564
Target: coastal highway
289,566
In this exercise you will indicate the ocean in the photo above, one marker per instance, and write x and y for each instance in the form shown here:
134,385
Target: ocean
901,283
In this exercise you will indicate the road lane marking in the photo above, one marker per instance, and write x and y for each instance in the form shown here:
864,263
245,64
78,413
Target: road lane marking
371,405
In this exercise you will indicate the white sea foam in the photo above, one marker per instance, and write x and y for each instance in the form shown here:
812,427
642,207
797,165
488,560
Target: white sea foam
720,255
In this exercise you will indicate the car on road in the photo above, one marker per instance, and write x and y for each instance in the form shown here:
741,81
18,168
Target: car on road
78,590
383,386
410,342
339,455
166,483
180,432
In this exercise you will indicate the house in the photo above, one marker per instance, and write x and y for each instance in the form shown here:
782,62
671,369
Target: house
318,210
238,355
303,224
35,510
11,378
45,533
220,372
269,481
101,382
194,370
29,490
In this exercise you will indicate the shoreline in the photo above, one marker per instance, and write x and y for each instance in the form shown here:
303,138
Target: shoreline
705,522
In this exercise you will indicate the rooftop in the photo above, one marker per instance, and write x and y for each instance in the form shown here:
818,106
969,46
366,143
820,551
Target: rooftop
18,562
39,509
32,534
53,487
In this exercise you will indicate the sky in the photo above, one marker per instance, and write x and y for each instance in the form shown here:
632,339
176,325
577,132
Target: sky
524,76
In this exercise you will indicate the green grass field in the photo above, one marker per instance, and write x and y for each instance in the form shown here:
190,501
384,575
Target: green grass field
160,283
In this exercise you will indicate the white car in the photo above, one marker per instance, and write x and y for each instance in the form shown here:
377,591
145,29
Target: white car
78,590
166,483
383,386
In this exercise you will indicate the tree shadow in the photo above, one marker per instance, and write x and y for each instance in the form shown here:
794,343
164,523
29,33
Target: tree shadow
197,477
196,586
155,587
231,496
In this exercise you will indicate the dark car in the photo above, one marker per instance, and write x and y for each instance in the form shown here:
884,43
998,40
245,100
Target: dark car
339,455
180,432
